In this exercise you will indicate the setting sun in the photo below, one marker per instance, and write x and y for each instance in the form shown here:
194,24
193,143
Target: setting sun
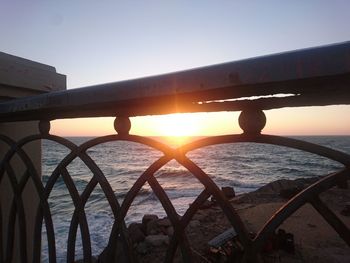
179,125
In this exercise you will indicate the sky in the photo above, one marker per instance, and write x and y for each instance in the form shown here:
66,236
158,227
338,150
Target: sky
94,42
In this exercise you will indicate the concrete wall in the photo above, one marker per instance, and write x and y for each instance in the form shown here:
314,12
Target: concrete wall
18,78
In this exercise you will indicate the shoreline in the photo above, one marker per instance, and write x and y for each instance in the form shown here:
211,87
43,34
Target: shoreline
314,239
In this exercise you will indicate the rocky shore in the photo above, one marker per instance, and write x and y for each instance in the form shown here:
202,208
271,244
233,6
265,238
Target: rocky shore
313,239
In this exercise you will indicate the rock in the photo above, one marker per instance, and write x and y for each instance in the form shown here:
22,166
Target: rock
207,204
165,222
200,216
120,253
170,231
229,192
153,228
147,218
135,232
157,240
194,223
277,186
289,192
142,248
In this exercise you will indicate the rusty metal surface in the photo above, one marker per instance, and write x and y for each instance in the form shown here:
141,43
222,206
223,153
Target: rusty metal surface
310,74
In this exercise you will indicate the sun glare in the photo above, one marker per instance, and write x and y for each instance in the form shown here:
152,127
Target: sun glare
179,125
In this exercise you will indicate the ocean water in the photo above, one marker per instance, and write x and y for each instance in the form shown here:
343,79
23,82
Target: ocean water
244,166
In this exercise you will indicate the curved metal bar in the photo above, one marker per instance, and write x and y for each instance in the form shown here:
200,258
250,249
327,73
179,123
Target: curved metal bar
186,218
75,219
226,207
275,140
132,138
270,139
79,207
130,196
16,208
24,179
1,237
16,148
97,178
19,208
81,152
85,235
209,184
201,198
170,153
11,234
338,225
84,197
70,145
21,214
294,204
75,151
173,217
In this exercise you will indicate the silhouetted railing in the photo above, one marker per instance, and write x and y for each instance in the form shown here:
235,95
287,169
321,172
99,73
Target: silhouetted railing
319,76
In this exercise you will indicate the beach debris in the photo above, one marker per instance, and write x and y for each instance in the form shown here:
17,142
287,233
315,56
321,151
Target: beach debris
228,191
221,239
289,246
280,240
346,210
226,247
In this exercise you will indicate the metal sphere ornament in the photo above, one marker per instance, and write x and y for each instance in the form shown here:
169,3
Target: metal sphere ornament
252,121
122,125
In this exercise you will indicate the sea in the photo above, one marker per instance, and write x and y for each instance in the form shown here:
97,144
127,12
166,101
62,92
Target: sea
243,166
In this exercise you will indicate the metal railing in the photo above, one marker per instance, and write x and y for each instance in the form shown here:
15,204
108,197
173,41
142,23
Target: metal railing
319,76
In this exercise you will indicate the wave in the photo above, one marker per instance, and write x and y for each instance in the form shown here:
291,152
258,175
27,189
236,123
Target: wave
173,173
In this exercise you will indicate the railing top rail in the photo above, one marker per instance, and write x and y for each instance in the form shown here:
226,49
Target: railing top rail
313,76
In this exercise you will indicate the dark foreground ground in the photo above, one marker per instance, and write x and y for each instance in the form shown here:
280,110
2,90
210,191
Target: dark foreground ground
314,240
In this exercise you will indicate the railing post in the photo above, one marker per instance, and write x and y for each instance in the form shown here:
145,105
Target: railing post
20,78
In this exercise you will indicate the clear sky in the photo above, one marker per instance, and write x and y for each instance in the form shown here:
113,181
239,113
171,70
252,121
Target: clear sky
94,42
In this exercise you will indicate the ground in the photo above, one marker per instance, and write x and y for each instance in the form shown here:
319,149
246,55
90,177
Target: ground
315,241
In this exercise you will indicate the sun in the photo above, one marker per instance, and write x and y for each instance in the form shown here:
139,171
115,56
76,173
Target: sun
179,125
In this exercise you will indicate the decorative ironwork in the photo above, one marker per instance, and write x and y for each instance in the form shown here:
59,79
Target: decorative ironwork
251,246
